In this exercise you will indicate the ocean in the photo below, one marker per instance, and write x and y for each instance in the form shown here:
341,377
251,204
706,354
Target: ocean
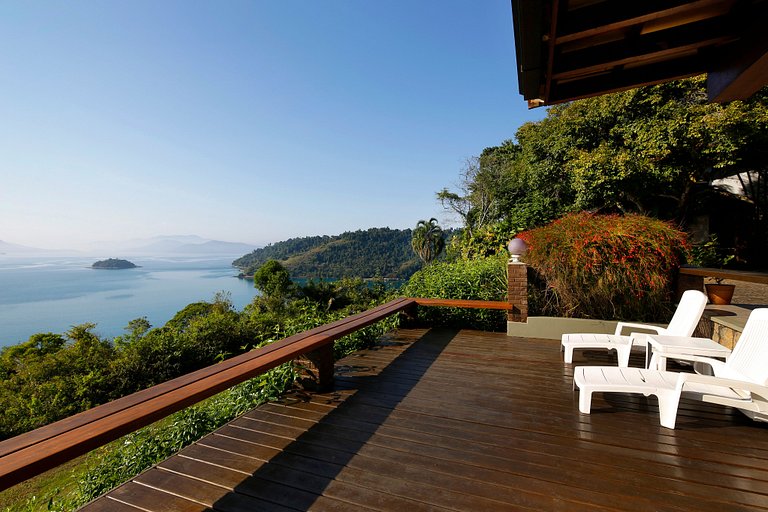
51,294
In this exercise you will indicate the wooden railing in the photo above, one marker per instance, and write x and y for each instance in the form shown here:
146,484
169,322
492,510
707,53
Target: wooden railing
719,273
692,278
34,452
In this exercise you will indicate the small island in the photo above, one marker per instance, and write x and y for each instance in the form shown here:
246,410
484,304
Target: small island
114,263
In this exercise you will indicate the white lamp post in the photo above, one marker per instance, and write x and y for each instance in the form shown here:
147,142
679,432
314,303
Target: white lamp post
516,248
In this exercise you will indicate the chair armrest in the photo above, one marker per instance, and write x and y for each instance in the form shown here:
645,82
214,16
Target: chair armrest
745,385
621,325
716,365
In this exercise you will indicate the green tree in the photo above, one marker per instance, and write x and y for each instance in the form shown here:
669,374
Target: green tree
653,150
483,189
46,379
273,280
135,330
428,241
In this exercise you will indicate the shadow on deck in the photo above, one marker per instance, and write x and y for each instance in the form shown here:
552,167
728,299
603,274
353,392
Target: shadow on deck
462,420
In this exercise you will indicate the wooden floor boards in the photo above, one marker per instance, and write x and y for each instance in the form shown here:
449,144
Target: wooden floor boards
462,420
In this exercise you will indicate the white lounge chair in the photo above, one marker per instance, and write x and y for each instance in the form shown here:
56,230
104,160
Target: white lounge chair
740,382
683,323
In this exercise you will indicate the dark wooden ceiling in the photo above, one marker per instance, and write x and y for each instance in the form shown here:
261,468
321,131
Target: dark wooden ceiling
571,49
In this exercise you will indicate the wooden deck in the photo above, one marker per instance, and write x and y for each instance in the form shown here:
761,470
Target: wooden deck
462,420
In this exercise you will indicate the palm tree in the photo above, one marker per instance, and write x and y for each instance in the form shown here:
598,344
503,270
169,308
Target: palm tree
427,241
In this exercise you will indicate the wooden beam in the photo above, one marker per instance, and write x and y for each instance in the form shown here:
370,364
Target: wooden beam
642,48
740,80
601,19
528,18
639,57
742,68
623,79
553,17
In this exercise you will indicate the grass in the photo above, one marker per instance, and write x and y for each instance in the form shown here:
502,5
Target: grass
35,493
73,484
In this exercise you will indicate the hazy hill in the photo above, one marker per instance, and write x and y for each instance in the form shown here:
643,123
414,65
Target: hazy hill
175,245
376,252
214,247
16,249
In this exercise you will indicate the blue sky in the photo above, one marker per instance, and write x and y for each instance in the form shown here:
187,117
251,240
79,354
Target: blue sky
249,121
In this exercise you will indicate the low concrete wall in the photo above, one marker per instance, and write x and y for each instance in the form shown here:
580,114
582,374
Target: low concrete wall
720,323
553,328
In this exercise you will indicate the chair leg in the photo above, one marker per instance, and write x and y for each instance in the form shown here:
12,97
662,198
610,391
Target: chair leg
585,400
622,353
668,404
658,362
568,353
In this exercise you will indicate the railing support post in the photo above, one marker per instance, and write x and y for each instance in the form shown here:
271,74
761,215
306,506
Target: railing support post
517,291
316,369
409,315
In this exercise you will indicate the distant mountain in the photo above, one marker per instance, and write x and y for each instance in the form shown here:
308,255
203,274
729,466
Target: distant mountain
376,252
14,249
215,247
175,245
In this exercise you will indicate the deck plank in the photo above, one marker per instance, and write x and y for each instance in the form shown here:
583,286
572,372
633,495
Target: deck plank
463,420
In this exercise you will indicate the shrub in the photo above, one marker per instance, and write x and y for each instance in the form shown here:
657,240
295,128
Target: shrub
605,266
480,279
47,378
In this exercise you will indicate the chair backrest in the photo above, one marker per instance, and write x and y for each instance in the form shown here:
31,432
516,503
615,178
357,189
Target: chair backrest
687,314
750,355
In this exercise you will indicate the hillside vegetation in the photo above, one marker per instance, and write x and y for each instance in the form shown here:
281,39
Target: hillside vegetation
52,376
376,252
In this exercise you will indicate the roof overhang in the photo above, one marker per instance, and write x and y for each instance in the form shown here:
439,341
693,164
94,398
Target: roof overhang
571,49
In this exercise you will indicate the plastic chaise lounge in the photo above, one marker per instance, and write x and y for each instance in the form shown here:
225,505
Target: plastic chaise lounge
683,323
740,382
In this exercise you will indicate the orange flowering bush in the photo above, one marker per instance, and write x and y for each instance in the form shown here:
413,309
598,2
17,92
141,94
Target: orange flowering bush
605,266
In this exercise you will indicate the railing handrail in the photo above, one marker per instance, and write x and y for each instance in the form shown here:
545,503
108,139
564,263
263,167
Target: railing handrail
462,303
719,273
32,453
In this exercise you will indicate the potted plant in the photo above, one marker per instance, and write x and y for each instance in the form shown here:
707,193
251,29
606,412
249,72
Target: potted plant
709,254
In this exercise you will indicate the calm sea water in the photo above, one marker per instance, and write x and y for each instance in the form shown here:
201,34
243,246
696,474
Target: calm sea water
52,294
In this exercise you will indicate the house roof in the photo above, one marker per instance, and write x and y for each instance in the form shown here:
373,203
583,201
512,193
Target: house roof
571,49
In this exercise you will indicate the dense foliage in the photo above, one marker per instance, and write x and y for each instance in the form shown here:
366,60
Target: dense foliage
52,376
281,250
605,266
274,281
655,150
480,279
376,252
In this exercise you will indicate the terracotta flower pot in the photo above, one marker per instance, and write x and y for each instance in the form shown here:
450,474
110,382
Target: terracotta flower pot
720,293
